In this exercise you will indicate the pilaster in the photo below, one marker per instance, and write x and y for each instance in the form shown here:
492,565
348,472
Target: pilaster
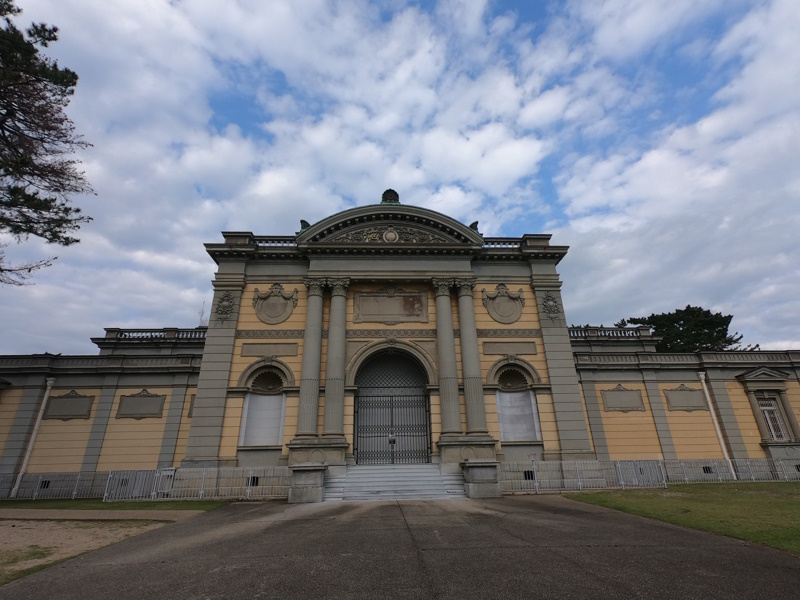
573,432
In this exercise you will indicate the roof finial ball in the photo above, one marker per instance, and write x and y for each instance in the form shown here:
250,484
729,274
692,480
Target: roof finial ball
390,197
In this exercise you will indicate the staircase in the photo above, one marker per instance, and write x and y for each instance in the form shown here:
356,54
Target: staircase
394,482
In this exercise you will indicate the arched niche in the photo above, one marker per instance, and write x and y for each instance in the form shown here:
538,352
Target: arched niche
262,368
513,373
368,351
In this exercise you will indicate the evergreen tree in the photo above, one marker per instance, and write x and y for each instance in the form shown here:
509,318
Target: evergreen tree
37,173
691,329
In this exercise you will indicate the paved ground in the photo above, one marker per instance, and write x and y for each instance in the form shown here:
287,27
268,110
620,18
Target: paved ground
45,514
513,547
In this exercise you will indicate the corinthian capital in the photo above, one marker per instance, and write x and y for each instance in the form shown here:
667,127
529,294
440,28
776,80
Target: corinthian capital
314,285
464,286
442,286
339,286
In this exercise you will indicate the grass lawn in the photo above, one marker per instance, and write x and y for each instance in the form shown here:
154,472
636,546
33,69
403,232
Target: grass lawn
765,513
98,504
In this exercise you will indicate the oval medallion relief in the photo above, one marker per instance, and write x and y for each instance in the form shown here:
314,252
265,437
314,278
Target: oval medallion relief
274,306
504,306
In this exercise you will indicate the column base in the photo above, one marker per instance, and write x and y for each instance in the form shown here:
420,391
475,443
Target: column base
328,451
456,449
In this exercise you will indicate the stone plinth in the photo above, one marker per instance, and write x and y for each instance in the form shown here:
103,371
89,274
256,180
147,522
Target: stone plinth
307,483
481,478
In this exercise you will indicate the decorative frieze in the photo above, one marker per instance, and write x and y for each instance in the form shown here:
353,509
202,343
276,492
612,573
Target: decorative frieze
274,306
281,334
503,305
390,234
510,333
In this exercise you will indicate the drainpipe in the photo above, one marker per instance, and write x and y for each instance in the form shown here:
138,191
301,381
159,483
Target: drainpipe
50,381
702,377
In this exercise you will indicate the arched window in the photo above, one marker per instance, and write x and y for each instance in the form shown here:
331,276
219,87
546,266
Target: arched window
264,410
517,410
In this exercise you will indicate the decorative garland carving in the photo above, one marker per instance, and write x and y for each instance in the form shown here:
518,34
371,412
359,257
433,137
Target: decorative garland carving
502,305
390,234
550,306
274,306
224,308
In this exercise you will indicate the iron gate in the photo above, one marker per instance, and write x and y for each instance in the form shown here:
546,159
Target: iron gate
392,426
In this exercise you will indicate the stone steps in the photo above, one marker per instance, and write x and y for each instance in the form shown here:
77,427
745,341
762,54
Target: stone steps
394,482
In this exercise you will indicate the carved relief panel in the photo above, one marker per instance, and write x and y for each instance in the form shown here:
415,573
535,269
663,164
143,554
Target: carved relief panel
504,306
390,306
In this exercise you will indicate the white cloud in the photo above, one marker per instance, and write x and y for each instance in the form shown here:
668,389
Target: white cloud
465,109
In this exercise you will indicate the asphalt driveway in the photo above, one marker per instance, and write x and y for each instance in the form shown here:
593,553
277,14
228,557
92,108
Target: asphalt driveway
513,547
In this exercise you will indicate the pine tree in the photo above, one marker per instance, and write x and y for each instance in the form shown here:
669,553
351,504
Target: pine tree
37,172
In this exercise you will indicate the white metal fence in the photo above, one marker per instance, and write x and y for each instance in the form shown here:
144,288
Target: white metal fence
549,476
274,482
197,484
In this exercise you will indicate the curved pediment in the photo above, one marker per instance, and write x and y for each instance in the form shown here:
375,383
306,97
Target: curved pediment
389,226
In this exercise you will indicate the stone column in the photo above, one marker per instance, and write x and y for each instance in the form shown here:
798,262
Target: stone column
448,375
312,350
334,371
470,359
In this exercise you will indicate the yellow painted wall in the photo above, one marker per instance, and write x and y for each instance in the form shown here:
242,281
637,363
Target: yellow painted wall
9,403
133,443
693,433
229,441
61,445
630,435
743,411
290,420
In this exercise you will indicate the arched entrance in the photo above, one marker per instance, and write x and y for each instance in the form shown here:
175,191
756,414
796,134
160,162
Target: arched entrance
392,411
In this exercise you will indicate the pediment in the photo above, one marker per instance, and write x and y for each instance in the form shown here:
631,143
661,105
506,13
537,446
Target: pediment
389,227
763,374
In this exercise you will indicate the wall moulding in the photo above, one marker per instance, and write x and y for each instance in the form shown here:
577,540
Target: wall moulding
622,399
69,406
685,399
141,406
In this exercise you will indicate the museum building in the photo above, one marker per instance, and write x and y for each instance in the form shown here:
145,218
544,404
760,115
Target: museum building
382,335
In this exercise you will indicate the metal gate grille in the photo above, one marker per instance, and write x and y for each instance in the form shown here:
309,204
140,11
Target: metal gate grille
392,418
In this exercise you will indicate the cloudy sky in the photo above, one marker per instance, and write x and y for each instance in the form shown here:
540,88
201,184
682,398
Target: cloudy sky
659,139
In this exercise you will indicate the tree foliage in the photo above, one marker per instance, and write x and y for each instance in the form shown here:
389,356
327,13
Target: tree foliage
38,174
691,329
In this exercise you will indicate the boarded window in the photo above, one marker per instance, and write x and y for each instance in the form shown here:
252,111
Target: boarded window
262,420
519,416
